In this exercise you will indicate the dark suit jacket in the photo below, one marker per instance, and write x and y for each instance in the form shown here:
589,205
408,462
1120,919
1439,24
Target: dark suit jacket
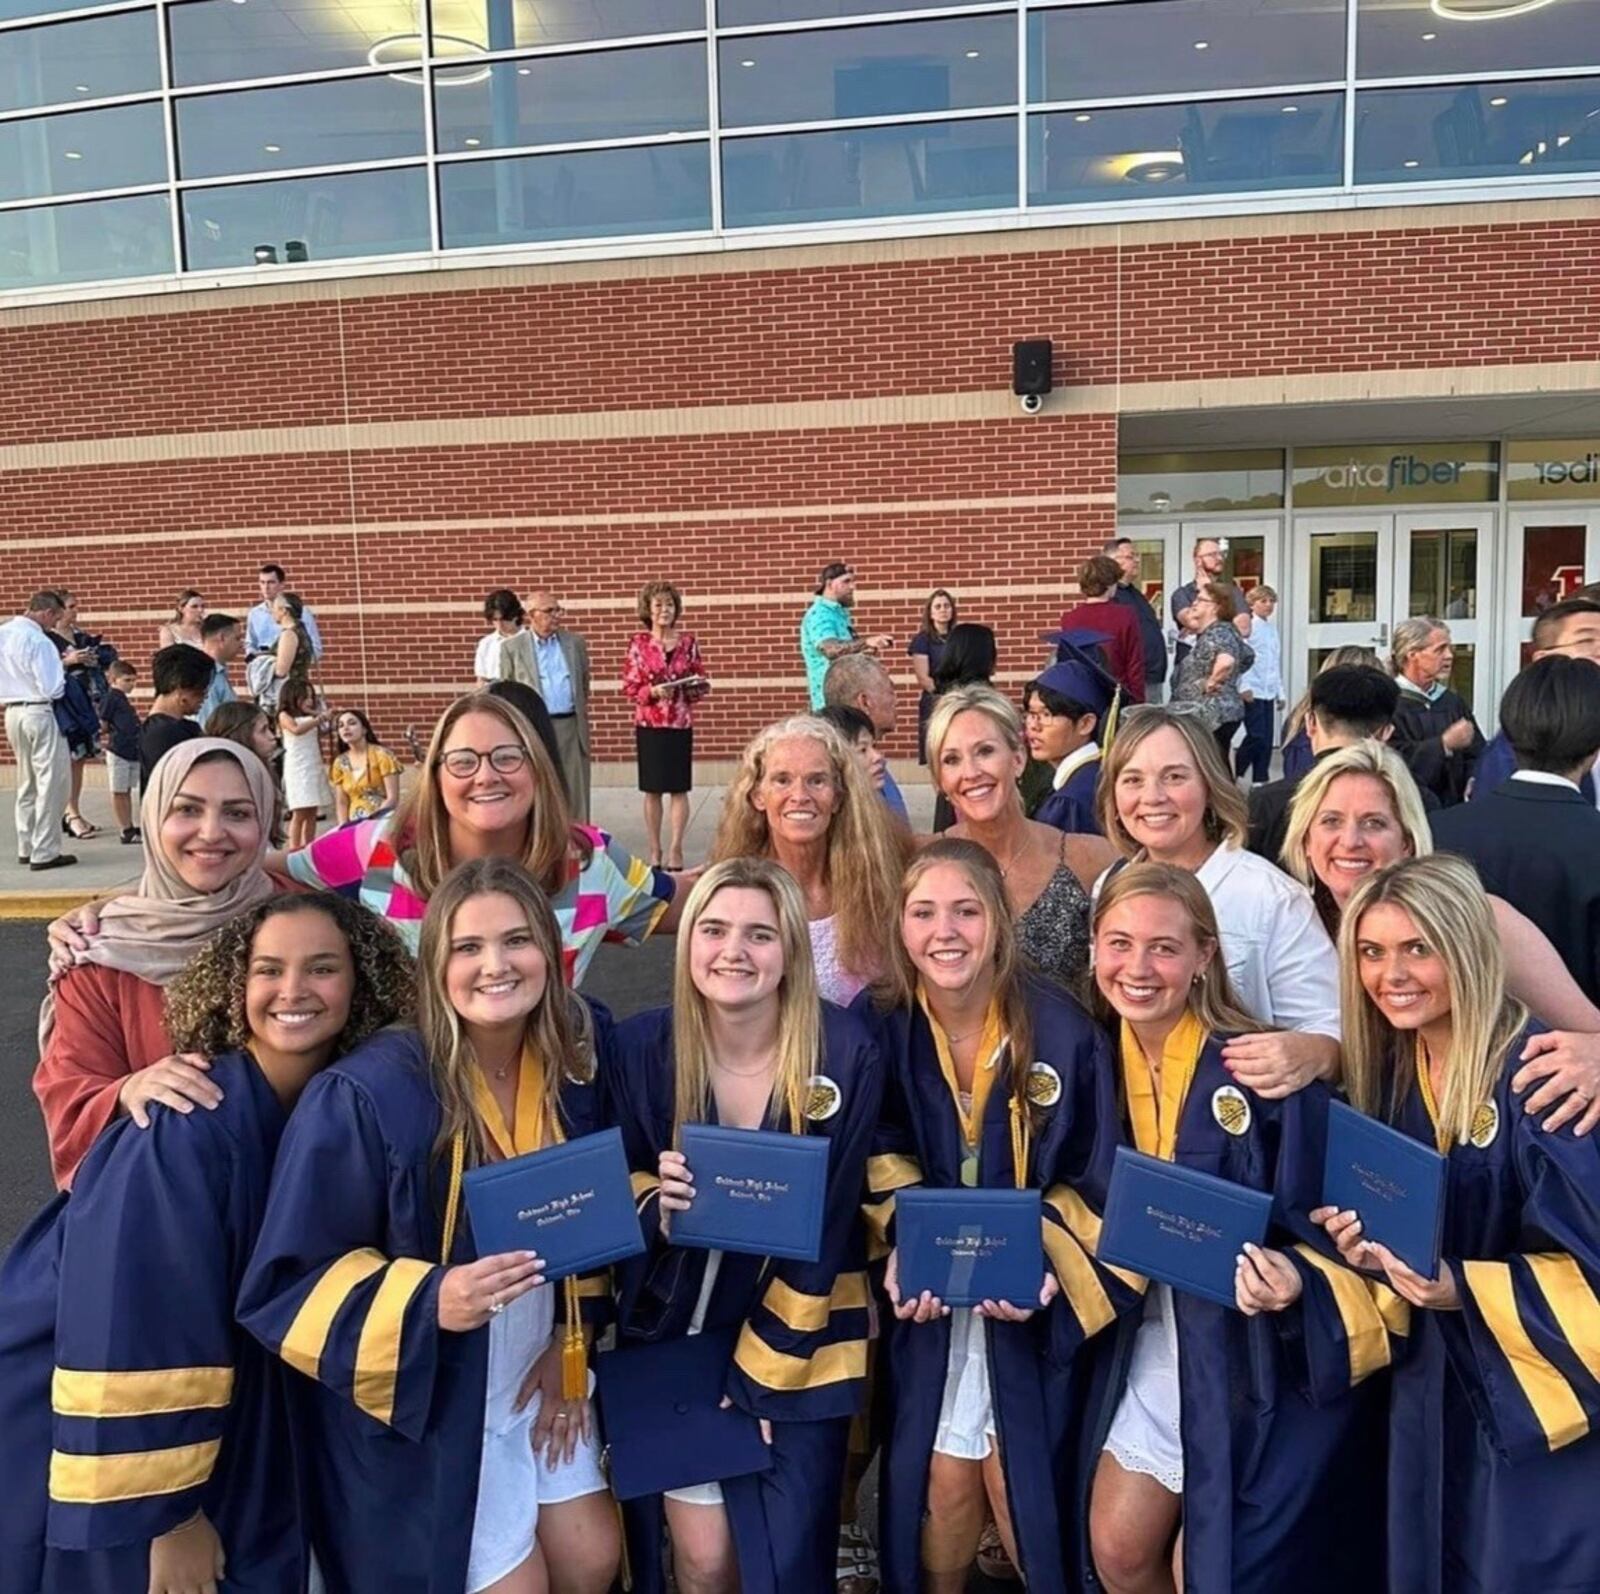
1419,728
1538,847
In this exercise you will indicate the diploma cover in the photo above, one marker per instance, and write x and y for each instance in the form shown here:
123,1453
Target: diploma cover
1394,1183
571,1203
1178,1225
662,1417
965,1246
755,1190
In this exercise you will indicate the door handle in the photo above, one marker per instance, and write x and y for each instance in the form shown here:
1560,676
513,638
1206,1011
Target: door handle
1382,638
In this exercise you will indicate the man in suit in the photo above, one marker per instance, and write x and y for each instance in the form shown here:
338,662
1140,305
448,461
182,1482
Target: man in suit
1534,840
555,663
1434,731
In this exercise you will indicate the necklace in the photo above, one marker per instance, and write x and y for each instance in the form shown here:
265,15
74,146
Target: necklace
1016,852
744,1073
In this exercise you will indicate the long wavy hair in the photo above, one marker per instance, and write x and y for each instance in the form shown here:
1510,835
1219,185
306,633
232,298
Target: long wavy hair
559,1030
205,1004
424,826
1227,815
982,874
1446,901
799,1003
867,851
1212,998
928,628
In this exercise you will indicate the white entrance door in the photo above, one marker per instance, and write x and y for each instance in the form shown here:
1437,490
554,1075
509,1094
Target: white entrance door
1445,566
1550,553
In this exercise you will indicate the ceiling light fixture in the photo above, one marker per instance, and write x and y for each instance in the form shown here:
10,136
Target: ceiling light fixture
1494,12
1202,44
972,55
1154,166
1083,116
524,71
473,143
1430,36
459,68
273,149
747,63
1499,99
73,154
80,88
1289,110
1409,164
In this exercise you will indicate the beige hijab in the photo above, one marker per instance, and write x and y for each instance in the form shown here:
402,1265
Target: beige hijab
154,931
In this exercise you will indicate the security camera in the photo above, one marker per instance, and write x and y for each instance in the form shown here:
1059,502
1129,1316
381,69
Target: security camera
1031,403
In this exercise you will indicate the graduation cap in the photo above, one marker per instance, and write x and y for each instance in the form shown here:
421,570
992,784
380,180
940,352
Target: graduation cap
1078,674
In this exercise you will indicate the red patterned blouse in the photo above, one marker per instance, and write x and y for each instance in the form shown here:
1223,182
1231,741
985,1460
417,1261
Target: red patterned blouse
649,666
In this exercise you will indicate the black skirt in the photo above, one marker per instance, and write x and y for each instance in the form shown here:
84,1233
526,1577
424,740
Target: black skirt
666,759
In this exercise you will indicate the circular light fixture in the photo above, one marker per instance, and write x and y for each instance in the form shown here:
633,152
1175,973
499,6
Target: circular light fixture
1083,116
80,88
1202,44
1428,37
972,55
472,143
1496,11
1154,166
273,149
747,63
1409,165
1160,502
73,154
1289,110
1499,99
524,71
459,68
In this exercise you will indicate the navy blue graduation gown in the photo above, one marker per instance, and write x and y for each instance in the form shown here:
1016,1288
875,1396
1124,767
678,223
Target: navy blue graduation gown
1282,1418
801,1356
1039,1373
129,1398
1494,1435
387,1407
1072,808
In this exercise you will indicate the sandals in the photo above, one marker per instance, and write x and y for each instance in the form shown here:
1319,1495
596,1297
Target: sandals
79,828
856,1567
993,1561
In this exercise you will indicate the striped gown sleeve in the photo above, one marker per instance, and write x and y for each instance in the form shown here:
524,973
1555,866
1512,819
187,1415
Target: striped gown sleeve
319,1291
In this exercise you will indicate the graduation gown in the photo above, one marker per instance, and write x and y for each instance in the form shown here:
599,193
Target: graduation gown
1071,806
801,1356
129,1398
1494,1432
1039,1379
1281,1419
387,1407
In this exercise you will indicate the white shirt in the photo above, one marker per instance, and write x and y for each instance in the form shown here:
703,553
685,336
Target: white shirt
261,631
1265,677
486,667
30,668
1543,777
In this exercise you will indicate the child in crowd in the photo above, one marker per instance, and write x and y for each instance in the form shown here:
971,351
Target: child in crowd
121,721
305,788
181,675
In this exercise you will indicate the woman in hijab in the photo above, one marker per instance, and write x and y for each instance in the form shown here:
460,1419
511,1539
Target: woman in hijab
104,1047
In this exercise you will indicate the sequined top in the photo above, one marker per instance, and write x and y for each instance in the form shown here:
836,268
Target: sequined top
1053,934
835,982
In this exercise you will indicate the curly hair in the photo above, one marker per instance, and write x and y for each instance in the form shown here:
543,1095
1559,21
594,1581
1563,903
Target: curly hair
205,1009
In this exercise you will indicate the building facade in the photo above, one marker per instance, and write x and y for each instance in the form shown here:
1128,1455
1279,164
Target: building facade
601,291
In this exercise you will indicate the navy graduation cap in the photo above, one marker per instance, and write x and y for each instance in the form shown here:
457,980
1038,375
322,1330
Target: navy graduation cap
1078,674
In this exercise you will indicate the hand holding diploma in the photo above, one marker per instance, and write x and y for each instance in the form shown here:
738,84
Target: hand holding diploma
1005,1312
469,1295
1264,1281
677,1187
1367,1256
922,1308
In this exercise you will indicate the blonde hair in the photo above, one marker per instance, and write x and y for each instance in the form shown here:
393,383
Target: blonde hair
867,851
1346,653
558,1030
1444,899
1010,995
1367,757
1211,998
799,1003
423,826
975,699
1227,816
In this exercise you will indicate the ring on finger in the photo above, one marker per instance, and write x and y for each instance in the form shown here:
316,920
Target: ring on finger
496,1306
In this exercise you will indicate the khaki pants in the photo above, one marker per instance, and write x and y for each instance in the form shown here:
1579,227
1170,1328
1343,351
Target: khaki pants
42,779
574,764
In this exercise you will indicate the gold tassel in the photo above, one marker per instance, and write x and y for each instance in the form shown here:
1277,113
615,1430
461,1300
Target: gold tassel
574,1354
1108,727
1019,1142
452,1200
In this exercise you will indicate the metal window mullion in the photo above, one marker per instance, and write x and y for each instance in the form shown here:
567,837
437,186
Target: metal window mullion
169,125
88,14
190,91
430,132
456,157
67,107
976,113
1348,142
714,116
44,201
1193,97
334,169
1022,107
1526,74
745,30
528,52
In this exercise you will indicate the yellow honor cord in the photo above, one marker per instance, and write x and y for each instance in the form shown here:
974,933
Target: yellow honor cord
1019,1139
574,1353
1155,1119
1441,1135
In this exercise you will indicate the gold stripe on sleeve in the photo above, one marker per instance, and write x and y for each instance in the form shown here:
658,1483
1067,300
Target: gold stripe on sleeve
1083,1223
832,1364
144,1393
1365,1332
133,1475
1079,1283
891,1171
808,1314
308,1334
378,1349
644,1185
1573,1305
1557,1408
1395,1310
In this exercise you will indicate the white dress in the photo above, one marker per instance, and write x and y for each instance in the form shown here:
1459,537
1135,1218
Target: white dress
513,1481
1145,1435
305,782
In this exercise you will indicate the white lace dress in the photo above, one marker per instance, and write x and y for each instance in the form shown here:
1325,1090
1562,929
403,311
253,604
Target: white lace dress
836,983
1145,1435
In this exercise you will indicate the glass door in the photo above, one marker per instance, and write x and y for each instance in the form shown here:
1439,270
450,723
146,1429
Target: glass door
1344,586
1550,553
1442,563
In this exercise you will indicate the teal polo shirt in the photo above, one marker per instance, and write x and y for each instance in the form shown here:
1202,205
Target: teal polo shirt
826,621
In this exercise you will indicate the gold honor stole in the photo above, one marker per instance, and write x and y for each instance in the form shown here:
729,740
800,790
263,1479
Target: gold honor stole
992,1046
1155,1121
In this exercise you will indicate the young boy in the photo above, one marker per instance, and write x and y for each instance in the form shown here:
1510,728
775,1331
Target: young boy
1261,687
181,675
1067,711
121,721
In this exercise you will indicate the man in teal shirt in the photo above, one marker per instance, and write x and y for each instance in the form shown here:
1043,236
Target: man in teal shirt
826,633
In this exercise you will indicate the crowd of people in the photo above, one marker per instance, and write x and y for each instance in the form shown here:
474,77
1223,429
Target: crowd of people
252,1343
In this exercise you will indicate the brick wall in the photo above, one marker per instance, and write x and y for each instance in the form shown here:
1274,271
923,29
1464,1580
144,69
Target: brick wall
339,448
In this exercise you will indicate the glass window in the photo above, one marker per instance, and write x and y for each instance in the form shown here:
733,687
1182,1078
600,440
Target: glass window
1478,130
1411,38
221,41
335,218
889,71
89,60
1159,484
308,124
869,171
742,13
523,24
88,242
566,99
1444,573
19,10
583,194
76,152
1552,565
1344,577
1182,47
1140,151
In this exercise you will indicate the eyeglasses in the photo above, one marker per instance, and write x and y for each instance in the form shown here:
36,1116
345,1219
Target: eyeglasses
1040,716
463,762
554,608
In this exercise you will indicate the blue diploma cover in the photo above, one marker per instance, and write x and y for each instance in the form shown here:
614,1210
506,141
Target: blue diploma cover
1393,1183
966,1246
755,1190
1180,1226
572,1203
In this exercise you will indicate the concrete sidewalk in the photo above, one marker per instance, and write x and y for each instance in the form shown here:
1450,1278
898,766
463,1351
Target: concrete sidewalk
104,863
